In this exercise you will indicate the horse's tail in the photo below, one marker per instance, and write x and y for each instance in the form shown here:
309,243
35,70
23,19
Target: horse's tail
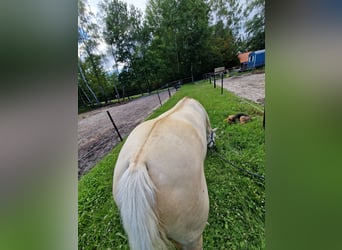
135,196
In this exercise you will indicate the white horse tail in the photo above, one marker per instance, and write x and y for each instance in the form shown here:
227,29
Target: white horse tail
135,197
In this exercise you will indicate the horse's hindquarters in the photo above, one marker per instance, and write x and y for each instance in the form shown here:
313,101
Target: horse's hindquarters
182,200
171,150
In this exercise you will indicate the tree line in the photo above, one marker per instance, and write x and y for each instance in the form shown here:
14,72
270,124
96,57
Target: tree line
173,39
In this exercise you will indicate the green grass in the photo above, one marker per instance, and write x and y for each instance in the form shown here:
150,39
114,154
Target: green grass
237,201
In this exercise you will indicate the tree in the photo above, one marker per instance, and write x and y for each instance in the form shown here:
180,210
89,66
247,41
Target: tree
83,79
86,67
230,13
255,26
174,40
88,41
180,33
122,33
223,50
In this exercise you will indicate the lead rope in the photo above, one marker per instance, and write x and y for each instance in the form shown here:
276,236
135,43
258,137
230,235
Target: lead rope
214,149
239,168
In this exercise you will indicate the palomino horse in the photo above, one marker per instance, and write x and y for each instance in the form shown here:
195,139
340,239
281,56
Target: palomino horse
159,184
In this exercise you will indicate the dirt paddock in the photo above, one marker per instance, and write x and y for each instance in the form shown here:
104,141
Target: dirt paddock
249,86
96,134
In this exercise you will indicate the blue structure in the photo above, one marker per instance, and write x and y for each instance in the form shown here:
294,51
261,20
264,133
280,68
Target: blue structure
256,59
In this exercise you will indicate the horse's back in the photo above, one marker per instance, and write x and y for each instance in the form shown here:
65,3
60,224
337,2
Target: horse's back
172,148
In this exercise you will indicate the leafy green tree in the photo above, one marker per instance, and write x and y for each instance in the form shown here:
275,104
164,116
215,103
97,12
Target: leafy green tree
228,17
99,82
88,42
116,28
82,80
175,39
230,13
195,33
180,32
255,25
161,52
223,50
122,33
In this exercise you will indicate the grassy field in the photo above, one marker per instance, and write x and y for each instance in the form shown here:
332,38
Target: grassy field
237,201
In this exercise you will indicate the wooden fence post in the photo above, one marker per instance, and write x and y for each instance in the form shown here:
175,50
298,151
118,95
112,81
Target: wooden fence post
221,83
159,98
168,89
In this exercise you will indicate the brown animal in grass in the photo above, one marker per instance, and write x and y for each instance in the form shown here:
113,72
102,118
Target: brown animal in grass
240,117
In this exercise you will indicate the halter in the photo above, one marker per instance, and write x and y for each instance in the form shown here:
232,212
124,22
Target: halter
212,135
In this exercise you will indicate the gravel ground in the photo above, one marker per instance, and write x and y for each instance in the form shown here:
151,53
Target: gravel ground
250,86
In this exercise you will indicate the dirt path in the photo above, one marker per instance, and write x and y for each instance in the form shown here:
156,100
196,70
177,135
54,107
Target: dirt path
249,86
96,134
